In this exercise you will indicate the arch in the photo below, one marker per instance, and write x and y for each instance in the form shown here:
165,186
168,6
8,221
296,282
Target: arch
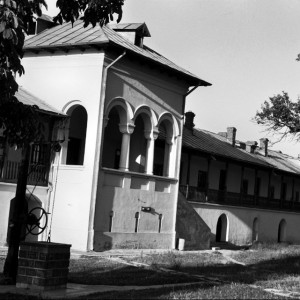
74,147
166,146
148,115
168,116
282,231
255,230
112,140
138,143
222,229
123,107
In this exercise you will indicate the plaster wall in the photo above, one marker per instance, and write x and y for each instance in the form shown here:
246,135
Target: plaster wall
62,80
240,223
123,194
234,178
142,86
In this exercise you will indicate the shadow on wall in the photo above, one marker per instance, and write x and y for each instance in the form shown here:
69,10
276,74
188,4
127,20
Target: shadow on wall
31,203
190,226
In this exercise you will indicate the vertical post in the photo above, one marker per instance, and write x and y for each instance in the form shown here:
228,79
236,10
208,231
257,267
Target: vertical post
293,192
241,186
207,181
19,212
255,187
126,130
188,176
151,136
269,186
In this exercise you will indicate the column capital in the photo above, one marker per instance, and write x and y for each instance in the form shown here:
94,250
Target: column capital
169,139
126,128
151,134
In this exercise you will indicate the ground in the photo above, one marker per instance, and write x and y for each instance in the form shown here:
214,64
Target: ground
262,272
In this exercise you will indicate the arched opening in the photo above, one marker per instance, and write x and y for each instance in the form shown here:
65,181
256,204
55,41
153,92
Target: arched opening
282,231
221,232
255,230
112,141
138,145
162,148
77,135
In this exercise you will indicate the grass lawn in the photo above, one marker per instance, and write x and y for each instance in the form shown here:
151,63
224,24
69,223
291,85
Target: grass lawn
266,266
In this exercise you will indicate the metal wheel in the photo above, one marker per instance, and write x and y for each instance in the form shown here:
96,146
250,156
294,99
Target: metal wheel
37,220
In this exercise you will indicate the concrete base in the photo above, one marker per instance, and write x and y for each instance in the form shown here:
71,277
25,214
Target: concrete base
115,240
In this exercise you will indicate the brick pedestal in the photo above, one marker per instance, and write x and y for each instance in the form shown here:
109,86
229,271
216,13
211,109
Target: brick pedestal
43,266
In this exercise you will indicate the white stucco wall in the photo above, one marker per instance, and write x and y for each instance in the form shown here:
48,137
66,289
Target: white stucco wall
62,80
240,222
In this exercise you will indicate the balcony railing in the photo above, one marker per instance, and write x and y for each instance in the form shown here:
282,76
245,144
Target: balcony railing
37,175
194,194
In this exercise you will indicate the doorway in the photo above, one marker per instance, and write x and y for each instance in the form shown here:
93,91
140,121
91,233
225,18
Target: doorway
222,229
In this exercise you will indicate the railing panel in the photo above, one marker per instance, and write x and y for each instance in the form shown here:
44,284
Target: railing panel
223,197
38,174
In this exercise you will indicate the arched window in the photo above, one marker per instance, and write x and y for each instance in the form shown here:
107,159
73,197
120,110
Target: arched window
138,146
282,231
222,229
163,148
77,135
112,141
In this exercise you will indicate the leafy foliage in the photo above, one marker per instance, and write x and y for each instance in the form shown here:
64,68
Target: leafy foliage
280,115
94,11
16,17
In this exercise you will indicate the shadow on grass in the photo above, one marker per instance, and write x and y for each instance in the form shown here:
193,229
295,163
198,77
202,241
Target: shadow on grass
130,275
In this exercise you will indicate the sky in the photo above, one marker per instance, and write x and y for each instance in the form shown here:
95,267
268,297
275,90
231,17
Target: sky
247,49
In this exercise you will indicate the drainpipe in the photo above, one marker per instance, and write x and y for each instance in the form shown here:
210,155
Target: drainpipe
184,97
90,240
179,149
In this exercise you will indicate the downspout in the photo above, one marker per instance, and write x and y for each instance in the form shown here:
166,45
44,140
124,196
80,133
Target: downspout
178,169
184,97
90,240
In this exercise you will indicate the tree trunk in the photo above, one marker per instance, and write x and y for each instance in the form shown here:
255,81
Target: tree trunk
17,222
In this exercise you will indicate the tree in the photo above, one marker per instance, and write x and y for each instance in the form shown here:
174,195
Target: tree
21,123
280,115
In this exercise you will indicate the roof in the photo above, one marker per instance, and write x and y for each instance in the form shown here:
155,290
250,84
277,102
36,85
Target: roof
215,144
66,37
29,99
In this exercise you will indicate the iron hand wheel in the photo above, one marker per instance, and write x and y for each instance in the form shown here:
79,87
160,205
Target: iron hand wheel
37,220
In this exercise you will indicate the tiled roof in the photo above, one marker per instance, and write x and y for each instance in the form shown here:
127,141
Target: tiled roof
29,99
67,36
214,144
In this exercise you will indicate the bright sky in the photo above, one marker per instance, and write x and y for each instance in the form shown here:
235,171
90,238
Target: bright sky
245,48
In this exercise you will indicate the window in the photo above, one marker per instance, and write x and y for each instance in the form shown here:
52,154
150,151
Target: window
245,187
202,180
77,134
222,180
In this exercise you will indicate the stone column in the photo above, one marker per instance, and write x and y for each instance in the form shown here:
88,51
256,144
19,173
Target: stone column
151,136
126,130
167,157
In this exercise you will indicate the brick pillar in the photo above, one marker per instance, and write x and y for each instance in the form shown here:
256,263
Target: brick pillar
43,266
